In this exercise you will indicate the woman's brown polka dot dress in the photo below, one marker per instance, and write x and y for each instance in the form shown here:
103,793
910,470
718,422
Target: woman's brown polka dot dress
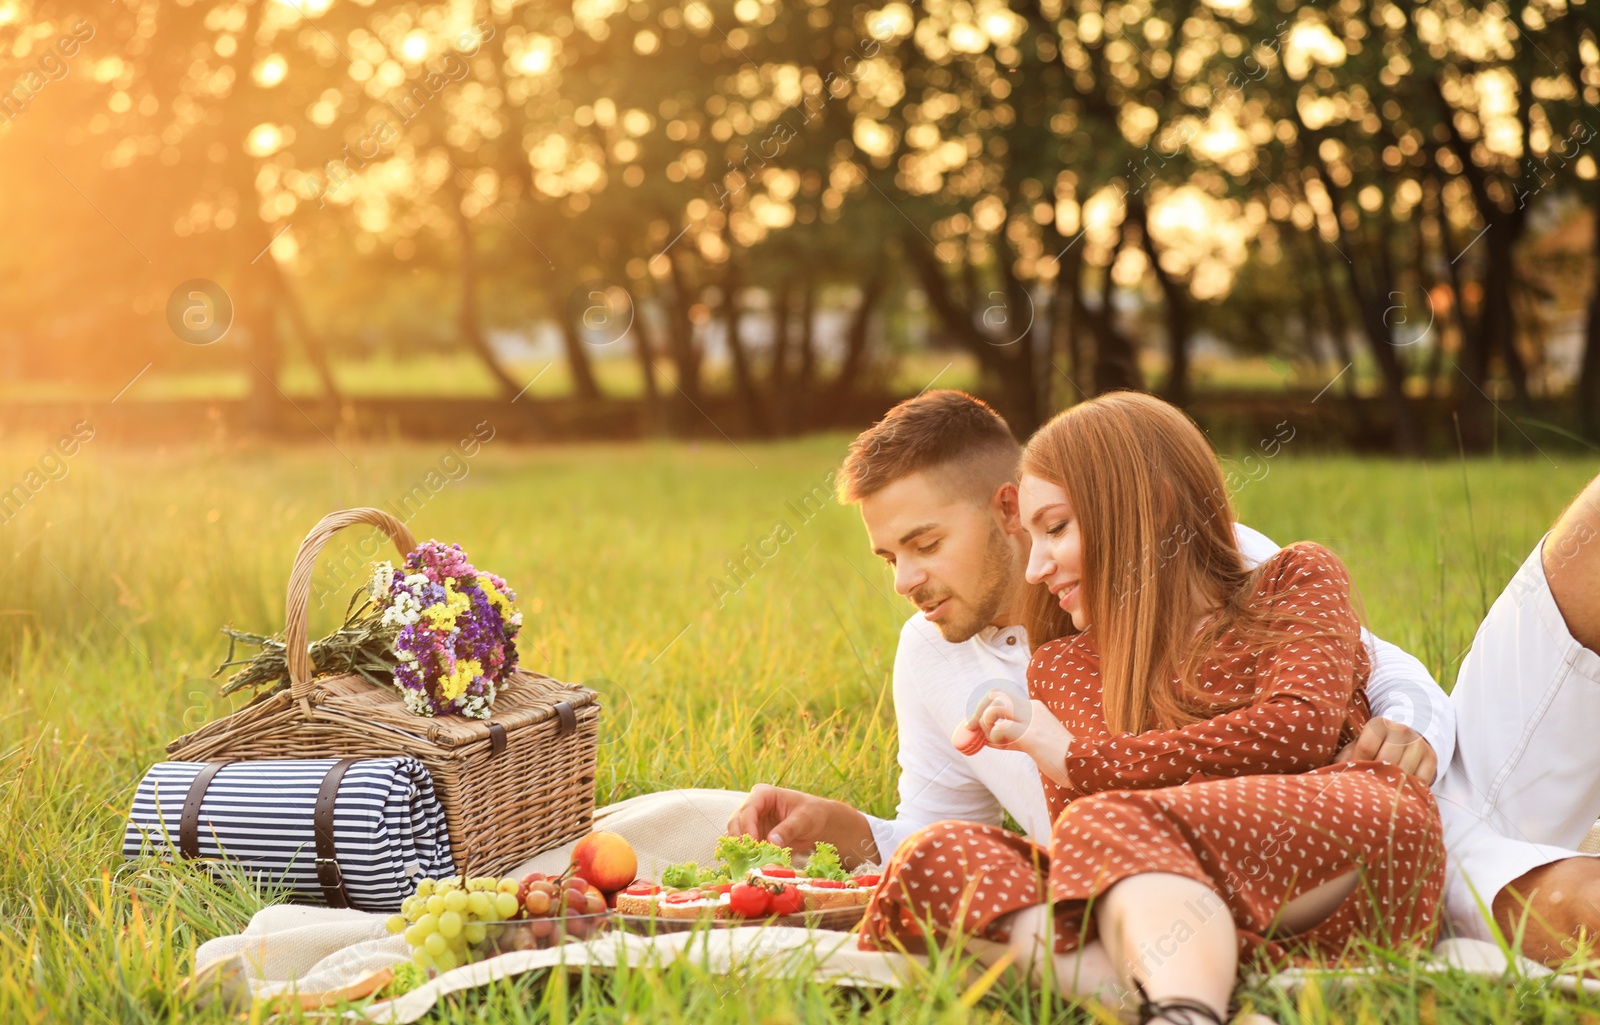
1245,802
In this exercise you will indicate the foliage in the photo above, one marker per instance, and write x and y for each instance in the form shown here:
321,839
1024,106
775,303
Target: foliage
107,634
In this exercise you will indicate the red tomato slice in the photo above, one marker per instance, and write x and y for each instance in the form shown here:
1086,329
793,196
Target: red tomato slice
642,890
723,887
778,872
866,881
827,884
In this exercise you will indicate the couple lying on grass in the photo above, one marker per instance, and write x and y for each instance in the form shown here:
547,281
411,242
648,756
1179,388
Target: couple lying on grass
1213,760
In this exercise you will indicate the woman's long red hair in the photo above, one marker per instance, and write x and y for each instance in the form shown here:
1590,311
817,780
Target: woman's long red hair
1159,554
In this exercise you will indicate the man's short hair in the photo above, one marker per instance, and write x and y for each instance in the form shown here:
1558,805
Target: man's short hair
948,431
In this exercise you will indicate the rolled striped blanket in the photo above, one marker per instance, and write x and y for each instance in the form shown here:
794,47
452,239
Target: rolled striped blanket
262,817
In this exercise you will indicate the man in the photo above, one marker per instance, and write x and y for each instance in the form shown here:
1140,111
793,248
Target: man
936,482
1523,788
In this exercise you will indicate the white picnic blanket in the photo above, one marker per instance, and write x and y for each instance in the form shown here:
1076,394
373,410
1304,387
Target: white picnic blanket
294,950
290,949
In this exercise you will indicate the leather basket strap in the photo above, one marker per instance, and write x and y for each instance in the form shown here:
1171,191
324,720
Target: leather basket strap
569,718
189,823
328,873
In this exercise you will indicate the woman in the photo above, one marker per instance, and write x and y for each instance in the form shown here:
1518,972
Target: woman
1184,713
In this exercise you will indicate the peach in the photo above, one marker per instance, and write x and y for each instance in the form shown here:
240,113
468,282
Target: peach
606,860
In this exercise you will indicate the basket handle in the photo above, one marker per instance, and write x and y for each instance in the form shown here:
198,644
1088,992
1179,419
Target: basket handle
297,607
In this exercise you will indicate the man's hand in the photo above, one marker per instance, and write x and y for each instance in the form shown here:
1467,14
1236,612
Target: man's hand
798,820
1385,740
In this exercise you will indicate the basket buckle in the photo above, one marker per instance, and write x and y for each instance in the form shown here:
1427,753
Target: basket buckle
329,874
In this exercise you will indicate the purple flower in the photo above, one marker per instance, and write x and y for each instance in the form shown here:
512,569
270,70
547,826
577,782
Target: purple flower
437,638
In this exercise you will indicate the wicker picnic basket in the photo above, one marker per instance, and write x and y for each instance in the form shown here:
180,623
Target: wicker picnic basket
512,786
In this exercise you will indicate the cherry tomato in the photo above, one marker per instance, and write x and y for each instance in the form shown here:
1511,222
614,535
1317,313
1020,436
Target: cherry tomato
788,901
778,872
749,901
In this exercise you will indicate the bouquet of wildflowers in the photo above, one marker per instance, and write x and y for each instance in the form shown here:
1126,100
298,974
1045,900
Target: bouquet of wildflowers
455,626
438,630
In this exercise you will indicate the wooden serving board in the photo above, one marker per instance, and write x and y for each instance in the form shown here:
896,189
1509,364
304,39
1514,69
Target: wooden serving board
837,919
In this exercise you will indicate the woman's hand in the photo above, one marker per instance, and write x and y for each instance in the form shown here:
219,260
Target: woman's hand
1000,723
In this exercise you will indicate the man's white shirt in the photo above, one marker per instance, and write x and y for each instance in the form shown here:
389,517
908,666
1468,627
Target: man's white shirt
937,683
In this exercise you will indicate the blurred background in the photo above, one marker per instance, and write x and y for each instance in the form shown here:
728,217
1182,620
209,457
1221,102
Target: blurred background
612,219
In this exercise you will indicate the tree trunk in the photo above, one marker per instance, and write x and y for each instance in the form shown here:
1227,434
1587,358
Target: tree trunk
856,337
1495,326
744,378
316,351
1587,392
806,374
468,322
680,334
782,397
1180,315
584,384
1338,327
264,402
778,368
1114,360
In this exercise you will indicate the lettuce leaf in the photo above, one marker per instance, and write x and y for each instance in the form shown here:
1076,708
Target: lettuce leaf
743,853
824,863
690,874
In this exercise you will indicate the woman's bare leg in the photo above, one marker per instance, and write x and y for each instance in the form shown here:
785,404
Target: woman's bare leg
1172,935
1169,933
1085,972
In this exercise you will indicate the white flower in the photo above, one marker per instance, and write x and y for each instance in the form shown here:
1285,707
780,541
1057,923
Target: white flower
382,580
416,701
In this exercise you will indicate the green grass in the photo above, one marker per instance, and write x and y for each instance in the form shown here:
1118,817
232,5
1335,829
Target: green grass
118,576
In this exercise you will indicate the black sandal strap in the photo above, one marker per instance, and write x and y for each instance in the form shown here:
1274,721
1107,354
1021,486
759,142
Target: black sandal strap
1178,1011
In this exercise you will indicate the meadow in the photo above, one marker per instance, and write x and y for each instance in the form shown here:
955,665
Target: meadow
119,575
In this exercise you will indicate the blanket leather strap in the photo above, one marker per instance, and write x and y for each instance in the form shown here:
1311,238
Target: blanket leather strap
328,874
189,822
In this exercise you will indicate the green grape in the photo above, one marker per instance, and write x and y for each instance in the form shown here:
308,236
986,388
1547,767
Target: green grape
450,924
444,962
435,905
395,925
425,888
508,885
479,904
436,945
475,933
415,935
421,959
505,904
455,900
428,923
408,907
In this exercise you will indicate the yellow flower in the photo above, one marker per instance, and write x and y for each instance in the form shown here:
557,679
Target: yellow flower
442,615
456,683
499,602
